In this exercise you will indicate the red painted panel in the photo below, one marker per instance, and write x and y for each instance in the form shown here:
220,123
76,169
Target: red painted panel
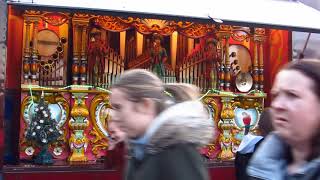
14,57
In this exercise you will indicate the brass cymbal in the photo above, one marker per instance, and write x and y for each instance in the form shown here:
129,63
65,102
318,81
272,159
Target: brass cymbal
244,82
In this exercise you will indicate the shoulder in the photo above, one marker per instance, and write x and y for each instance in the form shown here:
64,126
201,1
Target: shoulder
182,161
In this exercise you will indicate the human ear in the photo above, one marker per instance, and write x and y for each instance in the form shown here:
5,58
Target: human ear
146,106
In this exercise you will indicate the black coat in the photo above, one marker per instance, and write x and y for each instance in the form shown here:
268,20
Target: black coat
241,163
170,152
180,161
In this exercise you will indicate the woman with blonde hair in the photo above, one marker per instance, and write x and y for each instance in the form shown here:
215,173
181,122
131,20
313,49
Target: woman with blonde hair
165,124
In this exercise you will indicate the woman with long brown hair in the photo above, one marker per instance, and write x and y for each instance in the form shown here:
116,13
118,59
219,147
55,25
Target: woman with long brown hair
293,150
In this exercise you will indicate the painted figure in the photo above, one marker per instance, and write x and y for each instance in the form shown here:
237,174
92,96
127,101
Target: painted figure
158,56
246,118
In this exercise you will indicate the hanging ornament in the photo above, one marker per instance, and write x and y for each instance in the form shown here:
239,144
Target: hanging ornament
57,151
29,151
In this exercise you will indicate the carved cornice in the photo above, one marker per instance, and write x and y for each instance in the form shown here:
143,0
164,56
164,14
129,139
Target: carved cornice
52,18
197,30
55,19
259,34
149,26
112,23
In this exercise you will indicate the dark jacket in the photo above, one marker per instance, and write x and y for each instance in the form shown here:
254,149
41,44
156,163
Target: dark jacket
169,148
242,161
270,162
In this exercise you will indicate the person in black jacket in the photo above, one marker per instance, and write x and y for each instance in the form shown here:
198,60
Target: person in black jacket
165,125
250,143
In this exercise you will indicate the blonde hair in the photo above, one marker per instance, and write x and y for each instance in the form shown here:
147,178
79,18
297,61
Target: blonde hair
139,84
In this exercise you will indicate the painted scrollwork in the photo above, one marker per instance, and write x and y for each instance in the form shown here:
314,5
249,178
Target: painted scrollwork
111,23
59,108
55,19
240,35
213,109
100,115
197,30
149,26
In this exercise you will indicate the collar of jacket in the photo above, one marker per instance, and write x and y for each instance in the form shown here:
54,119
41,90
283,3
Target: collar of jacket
186,122
269,162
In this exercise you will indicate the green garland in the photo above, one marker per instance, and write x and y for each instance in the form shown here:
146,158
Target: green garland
256,92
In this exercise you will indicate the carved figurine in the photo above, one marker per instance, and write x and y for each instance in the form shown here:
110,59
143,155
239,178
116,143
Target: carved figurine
158,56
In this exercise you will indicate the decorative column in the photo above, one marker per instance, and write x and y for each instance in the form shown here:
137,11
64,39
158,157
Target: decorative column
80,34
255,66
224,33
173,49
76,62
139,43
260,38
84,60
27,54
261,77
34,62
225,125
78,123
221,66
228,66
123,44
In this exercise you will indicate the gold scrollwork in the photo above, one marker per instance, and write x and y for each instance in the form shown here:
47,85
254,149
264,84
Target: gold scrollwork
111,23
212,102
32,12
247,103
55,19
260,31
197,30
129,20
227,108
100,141
240,35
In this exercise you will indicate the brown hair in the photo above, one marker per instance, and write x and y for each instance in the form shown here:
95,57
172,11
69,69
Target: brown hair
311,69
139,84
265,123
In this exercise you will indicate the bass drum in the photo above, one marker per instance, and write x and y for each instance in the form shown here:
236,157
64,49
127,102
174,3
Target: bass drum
240,59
